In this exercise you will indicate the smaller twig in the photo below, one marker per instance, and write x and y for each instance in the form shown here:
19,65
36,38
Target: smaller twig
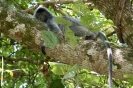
55,2
25,60
59,10
110,34
107,28
47,3
30,9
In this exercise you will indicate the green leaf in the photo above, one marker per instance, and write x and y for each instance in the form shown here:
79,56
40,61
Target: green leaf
71,72
58,68
69,75
129,77
61,20
50,39
70,37
74,68
57,84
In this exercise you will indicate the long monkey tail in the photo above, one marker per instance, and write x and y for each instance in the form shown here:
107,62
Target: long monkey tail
109,53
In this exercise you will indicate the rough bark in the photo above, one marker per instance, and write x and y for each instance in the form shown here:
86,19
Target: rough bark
89,54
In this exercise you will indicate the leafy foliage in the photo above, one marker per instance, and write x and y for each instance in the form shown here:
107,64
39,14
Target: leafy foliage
69,35
22,64
50,38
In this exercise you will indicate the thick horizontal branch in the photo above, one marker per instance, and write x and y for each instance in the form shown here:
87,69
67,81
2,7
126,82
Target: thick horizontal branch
87,54
92,55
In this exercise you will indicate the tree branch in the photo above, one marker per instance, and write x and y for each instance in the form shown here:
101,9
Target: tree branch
11,60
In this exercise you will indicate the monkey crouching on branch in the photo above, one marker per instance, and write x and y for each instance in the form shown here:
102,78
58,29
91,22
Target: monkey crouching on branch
45,16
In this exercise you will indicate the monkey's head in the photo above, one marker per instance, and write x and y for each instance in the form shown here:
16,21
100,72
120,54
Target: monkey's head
42,14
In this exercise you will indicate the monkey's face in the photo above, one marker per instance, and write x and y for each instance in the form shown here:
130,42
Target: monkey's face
43,15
